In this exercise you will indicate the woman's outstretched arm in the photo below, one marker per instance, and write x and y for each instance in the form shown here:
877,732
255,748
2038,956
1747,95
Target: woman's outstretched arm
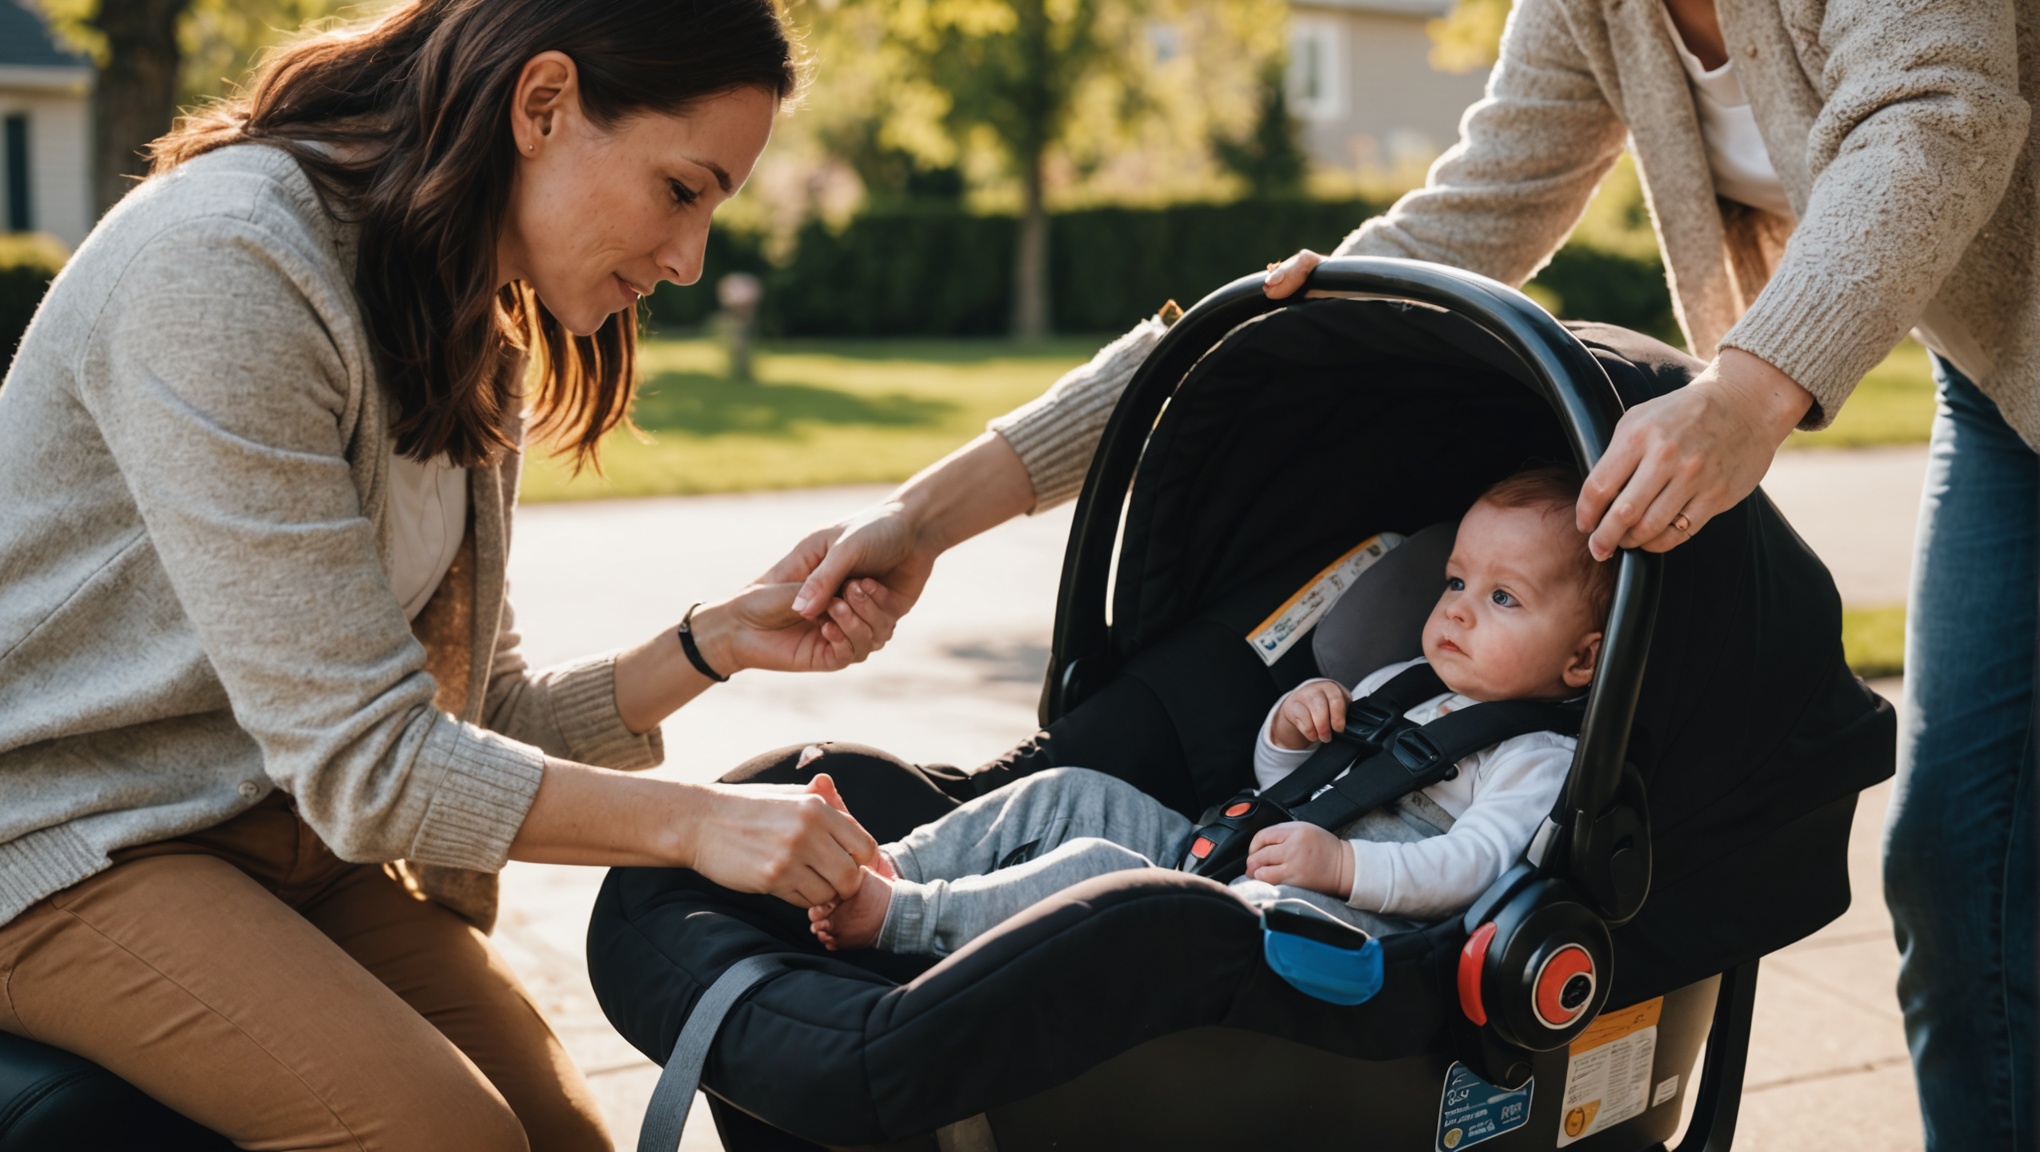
1033,458
797,844
895,542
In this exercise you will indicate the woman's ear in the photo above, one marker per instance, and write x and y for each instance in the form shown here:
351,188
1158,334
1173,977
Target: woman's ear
1579,670
546,87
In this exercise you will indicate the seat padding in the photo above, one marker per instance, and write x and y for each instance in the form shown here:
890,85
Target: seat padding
52,1099
863,1048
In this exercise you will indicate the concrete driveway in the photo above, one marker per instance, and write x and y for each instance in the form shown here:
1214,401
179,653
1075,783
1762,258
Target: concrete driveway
959,682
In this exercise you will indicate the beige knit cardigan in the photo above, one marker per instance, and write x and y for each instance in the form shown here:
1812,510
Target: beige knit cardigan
195,604
1902,132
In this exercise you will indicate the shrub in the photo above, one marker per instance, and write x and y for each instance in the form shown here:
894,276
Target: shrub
674,308
934,269
28,262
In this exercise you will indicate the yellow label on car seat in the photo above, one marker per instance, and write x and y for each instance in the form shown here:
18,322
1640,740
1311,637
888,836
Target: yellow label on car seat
1276,635
1608,1070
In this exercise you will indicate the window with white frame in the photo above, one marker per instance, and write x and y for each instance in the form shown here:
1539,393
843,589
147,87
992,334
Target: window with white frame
1317,67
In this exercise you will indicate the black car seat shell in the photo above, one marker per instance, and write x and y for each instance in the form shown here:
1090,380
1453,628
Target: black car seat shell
1719,774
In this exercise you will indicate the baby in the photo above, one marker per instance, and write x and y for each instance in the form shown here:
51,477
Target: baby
1520,618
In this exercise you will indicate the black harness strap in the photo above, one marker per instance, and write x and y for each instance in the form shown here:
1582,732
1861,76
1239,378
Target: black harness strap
1379,758
1420,756
1373,723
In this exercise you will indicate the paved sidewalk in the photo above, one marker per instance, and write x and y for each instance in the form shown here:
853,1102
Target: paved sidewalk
959,684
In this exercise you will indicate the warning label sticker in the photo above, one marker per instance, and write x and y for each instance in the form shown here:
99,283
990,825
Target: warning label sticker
1279,633
1472,1110
1607,1074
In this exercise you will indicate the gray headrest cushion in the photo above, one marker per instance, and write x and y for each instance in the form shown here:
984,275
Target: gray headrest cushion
1380,619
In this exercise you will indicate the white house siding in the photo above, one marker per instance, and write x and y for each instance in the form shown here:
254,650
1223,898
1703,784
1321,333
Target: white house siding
59,165
1362,84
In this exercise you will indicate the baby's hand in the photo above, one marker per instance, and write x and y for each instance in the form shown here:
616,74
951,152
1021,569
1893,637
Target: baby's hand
1302,856
1309,715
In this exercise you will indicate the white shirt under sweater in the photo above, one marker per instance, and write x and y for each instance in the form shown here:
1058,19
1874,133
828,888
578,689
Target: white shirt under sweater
1498,801
1736,154
428,513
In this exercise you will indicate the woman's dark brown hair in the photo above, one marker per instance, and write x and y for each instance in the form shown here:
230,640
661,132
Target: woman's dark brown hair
405,125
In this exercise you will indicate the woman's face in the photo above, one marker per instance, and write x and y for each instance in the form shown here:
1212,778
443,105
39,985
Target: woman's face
598,216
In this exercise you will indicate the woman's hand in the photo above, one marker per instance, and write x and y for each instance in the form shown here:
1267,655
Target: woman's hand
1694,453
1301,856
798,844
895,542
1288,276
881,542
758,628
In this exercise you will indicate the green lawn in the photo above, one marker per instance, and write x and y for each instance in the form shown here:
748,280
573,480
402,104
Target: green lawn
821,412
1874,640
876,411
1894,404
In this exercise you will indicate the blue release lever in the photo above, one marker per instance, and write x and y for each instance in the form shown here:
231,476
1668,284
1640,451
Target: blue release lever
1320,956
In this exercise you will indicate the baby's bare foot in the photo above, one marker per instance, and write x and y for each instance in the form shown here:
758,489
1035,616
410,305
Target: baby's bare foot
853,923
818,917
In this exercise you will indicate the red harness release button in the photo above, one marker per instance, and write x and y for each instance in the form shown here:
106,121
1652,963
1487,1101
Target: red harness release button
1472,961
1201,848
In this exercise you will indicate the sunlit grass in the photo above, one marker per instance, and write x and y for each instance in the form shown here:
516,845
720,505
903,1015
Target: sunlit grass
1874,640
1893,405
820,412
876,411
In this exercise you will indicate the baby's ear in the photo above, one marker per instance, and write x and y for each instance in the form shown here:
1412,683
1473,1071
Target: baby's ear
1579,670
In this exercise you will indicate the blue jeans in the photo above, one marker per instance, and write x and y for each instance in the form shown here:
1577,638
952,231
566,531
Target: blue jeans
1959,870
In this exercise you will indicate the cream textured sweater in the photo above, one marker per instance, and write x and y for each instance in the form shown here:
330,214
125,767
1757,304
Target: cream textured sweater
195,602
1902,131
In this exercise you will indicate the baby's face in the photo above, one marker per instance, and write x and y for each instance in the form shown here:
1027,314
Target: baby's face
1513,623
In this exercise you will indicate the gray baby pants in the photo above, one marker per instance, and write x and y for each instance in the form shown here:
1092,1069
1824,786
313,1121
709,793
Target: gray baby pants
1004,851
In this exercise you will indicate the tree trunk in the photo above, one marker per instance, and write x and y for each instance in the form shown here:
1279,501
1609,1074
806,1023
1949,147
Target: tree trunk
136,97
1030,260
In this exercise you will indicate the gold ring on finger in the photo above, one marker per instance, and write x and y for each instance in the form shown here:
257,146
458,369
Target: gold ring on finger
1682,524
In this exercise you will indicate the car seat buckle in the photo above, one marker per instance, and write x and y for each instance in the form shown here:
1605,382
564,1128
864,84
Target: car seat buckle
1415,751
1219,846
1369,722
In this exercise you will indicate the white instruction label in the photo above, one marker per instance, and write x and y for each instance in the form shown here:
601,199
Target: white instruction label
1607,1074
1276,635
1666,1089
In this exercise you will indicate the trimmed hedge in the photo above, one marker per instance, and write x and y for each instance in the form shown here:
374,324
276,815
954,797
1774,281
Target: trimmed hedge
27,265
937,270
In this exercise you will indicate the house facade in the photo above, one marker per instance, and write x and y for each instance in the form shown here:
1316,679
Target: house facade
45,130
1362,85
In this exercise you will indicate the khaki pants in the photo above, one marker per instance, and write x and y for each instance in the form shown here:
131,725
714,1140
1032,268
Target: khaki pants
251,980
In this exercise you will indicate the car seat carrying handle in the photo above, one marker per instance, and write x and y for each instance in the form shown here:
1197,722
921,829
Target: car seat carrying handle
1389,757
1551,361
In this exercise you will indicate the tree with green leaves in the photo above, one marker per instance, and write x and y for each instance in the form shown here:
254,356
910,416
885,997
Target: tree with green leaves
1033,79
155,56
1268,159
1469,37
1014,67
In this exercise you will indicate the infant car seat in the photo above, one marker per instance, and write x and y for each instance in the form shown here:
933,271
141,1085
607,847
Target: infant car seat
1704,822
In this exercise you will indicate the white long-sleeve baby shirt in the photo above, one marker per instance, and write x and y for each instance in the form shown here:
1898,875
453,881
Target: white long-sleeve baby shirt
1497,802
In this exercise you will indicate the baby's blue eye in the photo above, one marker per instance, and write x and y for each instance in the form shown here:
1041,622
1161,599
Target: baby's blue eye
1503,598
1454,584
